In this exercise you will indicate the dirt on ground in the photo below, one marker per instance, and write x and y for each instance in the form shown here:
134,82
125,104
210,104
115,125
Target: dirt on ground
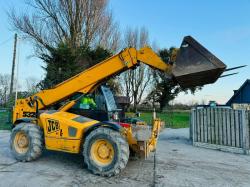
176,163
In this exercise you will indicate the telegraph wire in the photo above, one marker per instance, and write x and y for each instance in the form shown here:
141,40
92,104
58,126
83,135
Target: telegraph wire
5,41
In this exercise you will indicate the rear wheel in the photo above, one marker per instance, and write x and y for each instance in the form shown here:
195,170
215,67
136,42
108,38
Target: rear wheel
26,141
105,152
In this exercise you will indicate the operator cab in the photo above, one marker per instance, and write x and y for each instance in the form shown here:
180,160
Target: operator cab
99,105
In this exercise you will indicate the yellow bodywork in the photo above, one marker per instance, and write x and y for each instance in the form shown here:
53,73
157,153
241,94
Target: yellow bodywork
57,128
64,131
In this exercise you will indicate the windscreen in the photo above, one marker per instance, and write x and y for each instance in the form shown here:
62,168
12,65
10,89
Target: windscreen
109,98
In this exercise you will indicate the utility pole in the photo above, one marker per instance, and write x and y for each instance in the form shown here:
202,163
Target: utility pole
13,65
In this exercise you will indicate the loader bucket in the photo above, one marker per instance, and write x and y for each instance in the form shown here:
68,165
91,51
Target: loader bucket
195,65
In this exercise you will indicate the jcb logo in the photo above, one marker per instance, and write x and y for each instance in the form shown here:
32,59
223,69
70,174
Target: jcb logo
53,126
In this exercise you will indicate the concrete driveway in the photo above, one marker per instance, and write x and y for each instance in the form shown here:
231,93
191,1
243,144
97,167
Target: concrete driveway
178,163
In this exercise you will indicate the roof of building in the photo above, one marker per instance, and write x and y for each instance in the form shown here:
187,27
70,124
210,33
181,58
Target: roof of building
237,92
122,99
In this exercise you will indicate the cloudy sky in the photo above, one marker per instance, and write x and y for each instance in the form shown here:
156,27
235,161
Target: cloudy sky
222,26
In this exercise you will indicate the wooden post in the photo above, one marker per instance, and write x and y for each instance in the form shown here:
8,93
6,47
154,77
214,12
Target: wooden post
13,65
212,126
216,120
241,128
220,124
191,126
245,130
194,125
209,126
205,125
229,143
198,125
247,123
232,117
237,132
202,124
224,122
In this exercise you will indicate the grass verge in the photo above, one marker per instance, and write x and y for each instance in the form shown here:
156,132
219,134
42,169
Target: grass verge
175,119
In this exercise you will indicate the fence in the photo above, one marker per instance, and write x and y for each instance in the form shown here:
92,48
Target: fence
220,128
5,118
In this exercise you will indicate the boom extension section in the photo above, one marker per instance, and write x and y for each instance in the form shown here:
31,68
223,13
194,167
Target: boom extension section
87,80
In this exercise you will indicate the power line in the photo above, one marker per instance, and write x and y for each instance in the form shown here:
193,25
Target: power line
5,41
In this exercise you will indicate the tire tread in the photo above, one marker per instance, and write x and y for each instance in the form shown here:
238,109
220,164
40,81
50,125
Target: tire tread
122,157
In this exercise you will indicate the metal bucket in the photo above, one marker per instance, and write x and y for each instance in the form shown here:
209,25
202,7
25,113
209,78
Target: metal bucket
195,65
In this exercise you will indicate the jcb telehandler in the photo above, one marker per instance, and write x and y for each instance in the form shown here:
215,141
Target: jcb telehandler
104,143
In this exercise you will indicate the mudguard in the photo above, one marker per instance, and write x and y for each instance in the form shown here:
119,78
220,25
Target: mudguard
108,124
26,120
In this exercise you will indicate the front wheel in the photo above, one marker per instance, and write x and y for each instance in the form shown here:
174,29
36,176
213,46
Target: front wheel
26,141
105,152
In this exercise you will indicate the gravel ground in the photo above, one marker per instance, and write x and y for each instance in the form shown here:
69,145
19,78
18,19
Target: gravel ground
178,163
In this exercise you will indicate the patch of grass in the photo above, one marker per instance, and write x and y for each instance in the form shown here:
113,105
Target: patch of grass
4,118
175,119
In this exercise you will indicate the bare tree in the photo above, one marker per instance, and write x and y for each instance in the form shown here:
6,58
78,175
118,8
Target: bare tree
75,22
136,82
4,89
31,85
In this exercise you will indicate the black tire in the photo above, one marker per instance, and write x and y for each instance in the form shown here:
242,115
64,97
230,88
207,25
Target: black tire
120,147
34,146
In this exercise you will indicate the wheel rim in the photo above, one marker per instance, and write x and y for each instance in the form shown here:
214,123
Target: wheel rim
102,152
21,142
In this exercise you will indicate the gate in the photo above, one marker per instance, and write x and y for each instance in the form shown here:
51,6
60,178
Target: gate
220,128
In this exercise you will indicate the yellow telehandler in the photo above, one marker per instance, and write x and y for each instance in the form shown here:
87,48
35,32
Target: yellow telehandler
104,142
